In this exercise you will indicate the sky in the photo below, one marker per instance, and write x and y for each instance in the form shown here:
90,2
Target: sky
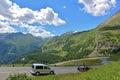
47,18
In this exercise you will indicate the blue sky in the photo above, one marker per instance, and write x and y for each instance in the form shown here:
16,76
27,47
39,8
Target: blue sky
47,18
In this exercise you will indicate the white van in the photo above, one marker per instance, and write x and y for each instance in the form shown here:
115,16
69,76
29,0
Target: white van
38,69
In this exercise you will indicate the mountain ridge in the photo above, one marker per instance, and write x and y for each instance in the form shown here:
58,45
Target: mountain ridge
12,45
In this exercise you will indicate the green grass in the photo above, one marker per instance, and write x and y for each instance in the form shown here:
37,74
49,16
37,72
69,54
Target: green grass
115,57
106,72
86,61
16,65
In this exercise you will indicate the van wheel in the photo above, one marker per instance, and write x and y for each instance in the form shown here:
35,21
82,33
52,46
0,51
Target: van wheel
52,73
37,73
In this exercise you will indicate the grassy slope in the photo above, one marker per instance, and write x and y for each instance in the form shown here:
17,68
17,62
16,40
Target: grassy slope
107,72
72,43
104,40
97,41
85,61
115,57
109,35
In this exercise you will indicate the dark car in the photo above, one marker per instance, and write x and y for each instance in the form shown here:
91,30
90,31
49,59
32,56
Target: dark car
83,68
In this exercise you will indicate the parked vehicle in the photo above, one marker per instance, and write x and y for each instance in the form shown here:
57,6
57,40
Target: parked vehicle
83,68
38,69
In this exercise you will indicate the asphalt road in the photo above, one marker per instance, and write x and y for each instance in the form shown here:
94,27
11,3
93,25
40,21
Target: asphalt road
6,71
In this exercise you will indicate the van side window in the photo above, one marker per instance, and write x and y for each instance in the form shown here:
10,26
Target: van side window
45,67
39,67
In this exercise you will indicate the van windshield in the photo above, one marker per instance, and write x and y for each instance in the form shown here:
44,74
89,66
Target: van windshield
46,67
32,66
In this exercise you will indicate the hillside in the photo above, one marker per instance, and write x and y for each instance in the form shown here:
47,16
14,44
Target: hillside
13,45
108,35
104,40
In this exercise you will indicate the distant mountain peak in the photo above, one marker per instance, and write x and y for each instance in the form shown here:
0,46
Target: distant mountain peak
70,32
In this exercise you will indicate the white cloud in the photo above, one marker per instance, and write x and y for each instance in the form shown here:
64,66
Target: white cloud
12,11
13,14
41,32
97,7
48,16
36,30
5,28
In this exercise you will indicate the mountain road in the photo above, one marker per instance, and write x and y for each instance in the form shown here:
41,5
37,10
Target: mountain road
6,71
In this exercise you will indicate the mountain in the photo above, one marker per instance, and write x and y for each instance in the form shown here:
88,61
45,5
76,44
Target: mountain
104,40
12,45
